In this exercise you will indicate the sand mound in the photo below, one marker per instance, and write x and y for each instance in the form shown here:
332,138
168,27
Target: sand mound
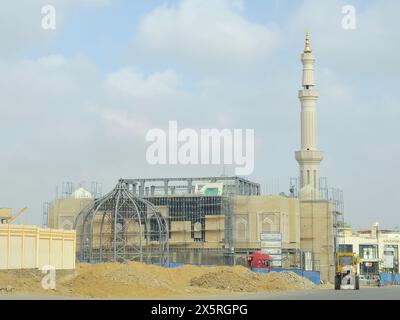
136,280
251,282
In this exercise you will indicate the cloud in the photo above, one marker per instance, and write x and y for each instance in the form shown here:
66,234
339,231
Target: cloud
206,34
21,23
131,82
63,119
365,51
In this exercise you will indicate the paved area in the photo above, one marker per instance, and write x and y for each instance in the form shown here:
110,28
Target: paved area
382,293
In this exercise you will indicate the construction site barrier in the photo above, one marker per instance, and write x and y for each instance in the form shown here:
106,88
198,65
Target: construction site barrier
390,278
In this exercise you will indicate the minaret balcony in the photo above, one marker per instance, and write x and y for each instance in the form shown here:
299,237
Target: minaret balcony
311,156
308,93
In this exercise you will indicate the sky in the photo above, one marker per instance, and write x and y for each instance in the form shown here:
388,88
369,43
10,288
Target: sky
77,102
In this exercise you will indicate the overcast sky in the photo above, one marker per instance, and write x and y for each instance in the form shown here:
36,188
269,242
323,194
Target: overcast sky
76,102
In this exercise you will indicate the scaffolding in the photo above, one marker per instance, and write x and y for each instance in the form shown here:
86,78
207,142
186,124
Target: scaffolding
68,188
186,186
45,217
120,227
96,189
335,197
200,227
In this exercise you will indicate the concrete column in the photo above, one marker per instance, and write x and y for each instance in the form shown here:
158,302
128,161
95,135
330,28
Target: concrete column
166,181
190,182
141,188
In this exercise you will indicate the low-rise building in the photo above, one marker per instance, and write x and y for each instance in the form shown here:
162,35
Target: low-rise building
378,249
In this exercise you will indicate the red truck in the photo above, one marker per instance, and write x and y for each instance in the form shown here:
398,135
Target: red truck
259,260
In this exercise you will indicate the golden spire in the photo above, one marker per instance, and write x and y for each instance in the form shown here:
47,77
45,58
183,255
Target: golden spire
307,49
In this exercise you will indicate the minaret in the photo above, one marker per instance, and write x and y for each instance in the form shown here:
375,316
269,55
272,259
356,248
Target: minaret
309,157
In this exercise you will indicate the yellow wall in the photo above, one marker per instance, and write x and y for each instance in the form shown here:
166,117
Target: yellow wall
215,229
30,247
180,232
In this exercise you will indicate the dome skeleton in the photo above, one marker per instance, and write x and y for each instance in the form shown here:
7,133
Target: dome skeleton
119,227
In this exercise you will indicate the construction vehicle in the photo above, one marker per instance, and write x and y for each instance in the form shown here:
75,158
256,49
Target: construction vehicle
259,260
8,218
346,275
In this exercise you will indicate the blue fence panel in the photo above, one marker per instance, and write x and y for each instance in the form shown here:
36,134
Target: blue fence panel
389,278
170,264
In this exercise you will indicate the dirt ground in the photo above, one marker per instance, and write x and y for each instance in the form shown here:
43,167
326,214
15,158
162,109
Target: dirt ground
138,281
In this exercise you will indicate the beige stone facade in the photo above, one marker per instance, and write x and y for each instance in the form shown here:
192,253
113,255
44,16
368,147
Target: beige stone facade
253,215
62,212
317,235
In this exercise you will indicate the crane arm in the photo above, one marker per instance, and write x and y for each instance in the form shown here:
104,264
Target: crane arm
19,213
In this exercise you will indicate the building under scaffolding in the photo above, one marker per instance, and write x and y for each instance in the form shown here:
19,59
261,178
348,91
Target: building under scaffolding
218,220
199,213
210,221
227,186
215,220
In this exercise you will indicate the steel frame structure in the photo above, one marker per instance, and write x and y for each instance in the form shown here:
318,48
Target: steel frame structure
119,227
171,186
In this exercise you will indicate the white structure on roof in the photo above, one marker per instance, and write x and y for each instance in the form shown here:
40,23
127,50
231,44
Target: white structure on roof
81,193
309,157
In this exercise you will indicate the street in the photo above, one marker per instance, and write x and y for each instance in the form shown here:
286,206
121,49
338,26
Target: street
382,293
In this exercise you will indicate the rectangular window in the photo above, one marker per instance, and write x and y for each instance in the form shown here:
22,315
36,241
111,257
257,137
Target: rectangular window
368,251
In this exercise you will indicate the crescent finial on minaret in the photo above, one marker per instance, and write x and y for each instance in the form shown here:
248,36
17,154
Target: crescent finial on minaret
307,49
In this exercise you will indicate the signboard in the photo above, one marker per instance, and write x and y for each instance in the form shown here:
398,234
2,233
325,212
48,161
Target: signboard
271,244
388,258
276,263
308,261
270,236
272,251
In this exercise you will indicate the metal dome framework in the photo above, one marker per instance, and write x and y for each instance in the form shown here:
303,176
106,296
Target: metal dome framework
120,227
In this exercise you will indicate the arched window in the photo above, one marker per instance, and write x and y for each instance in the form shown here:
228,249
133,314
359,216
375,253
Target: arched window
67,225
241,230
267,225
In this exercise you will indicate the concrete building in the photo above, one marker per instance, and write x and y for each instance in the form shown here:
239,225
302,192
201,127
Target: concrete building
377,248
63,211
214,220
5,215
